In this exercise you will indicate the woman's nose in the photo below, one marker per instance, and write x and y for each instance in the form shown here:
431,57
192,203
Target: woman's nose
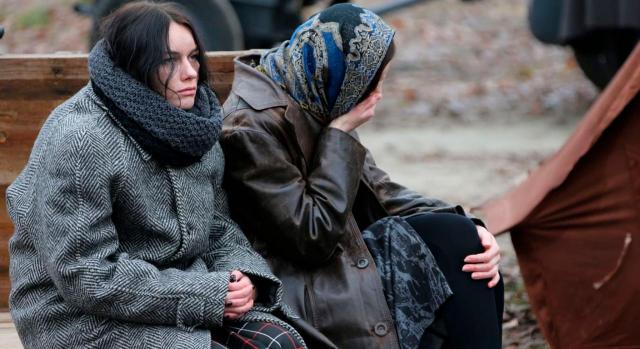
188,70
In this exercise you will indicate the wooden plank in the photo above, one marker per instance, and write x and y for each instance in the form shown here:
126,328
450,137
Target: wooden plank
39,89
8,335
64,87
9,338
6,230
20,123
74,66
58,76
46,67
5,317
52,89
5,288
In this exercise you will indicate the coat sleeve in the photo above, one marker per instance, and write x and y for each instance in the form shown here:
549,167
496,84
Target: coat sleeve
79,243
303,216
230,250
398,200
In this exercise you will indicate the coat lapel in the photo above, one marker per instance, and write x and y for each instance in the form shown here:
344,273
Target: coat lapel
261,93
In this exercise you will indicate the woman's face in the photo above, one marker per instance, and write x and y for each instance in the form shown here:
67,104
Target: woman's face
179,69
383,76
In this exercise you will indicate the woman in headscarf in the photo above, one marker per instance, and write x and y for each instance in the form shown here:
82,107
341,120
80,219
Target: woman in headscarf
123,238
366,261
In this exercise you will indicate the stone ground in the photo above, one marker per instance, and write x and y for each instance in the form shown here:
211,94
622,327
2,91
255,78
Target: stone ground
472,103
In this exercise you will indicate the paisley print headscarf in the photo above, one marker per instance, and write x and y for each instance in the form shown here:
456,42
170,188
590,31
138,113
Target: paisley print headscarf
330,59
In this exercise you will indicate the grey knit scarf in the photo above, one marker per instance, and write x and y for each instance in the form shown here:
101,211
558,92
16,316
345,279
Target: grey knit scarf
173,137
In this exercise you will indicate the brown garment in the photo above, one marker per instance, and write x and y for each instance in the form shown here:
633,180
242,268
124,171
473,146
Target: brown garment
302,192
575,225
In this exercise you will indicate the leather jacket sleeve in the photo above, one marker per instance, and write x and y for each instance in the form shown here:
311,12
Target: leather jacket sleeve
395,198
398,200
302,215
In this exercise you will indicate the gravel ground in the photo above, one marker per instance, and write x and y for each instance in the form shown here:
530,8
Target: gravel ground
472,103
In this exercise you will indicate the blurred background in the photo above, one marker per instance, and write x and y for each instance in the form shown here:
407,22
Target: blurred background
473,100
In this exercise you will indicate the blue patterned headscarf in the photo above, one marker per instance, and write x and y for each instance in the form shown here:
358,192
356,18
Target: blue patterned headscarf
330,60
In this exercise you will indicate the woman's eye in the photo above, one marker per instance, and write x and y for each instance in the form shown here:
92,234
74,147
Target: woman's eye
194,57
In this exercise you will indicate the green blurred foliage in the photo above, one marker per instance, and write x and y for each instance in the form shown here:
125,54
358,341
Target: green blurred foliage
35,17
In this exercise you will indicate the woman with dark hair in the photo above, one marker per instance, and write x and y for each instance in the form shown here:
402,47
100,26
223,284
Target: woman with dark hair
366,261
123,238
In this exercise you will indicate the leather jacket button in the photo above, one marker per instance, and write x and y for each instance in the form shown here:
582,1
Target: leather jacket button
381,329
362,263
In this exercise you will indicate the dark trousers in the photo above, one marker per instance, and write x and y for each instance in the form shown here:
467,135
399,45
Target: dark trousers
473,315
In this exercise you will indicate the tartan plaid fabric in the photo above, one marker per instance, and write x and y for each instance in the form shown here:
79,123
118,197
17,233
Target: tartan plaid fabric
254,335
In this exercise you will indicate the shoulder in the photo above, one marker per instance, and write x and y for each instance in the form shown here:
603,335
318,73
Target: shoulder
79,129
77,136
240,117
80,114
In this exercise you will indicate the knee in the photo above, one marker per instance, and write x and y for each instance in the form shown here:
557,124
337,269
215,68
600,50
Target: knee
456,235
462,237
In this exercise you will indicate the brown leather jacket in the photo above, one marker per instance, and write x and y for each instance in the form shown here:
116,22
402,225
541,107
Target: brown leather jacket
302,193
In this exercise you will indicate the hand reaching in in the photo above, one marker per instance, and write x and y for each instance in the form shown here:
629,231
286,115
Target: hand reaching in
485,265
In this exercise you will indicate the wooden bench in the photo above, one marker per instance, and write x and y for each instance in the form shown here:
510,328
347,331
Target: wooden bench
30,87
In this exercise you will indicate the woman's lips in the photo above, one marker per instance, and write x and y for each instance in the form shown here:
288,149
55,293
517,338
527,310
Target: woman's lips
191,91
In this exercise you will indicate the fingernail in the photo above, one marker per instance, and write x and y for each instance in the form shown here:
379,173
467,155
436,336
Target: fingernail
232,277
228,304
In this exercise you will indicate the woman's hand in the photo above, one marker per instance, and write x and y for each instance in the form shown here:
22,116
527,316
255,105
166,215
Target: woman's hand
360,114
485,265
241,295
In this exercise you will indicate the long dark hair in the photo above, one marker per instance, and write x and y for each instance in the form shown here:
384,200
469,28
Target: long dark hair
137,39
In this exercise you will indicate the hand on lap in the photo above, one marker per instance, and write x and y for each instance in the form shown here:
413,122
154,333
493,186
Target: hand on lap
240,297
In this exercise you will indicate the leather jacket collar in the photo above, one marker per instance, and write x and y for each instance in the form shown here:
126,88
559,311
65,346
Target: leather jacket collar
255,88
259,92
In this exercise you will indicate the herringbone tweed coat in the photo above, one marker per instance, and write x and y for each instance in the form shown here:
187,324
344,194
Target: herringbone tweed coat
112,250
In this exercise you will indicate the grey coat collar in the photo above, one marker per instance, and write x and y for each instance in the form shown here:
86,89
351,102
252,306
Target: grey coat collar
95,99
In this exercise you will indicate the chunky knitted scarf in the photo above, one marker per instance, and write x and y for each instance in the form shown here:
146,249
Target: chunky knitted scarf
173,137
330,59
